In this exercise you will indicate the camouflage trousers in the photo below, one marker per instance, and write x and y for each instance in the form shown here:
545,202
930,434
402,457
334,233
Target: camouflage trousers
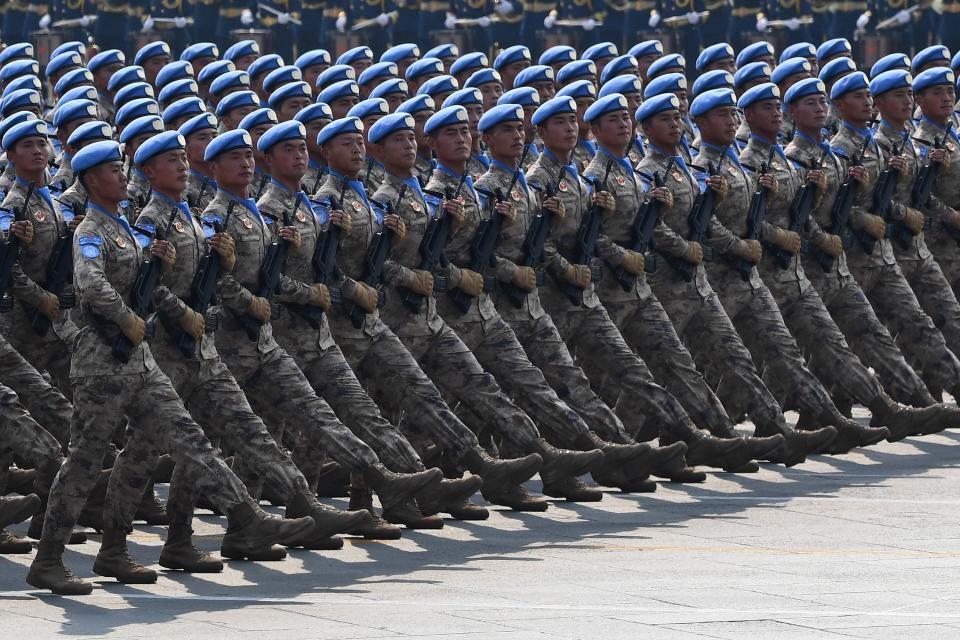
214,399
45,402
22,438
392,375
702,322
159,422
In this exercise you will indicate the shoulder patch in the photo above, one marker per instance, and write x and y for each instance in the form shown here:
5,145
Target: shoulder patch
66,210
90,246
321,209
142,238
6,219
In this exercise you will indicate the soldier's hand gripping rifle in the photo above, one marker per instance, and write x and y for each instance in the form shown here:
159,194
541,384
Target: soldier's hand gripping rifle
755,216
641,233
59,278
800,208
926,178
699,223
840,214
377,253
10,253
586,243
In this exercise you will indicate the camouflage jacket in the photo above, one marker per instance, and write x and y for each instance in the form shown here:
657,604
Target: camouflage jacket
945,195
200,191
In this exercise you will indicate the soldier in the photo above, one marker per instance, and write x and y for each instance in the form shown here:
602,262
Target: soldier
421,107
256,124
259,70
134,134
103,66
423,70
509,63
72,199
200,54
66,118
340,96
289,100
107,390
488,82
369,111
584,93
676,84
472,101
198,132
314,118
312,63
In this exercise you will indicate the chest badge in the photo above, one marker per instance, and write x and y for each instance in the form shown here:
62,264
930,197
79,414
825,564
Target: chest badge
732,171
178,226
677,176
356,205
634,158
562,186
415,206
247,222
40,216
121,242
301,217
621,180
951,146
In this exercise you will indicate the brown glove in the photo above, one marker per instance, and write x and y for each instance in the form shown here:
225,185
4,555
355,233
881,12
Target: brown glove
788,241
23,230
578,274
471,282
694,253
133,327
750,250
166,252
633,262
259,308
49,305
223,244
875,226
366,297
913,220
421,282
399,228
525,278
319,296
192,323
831,245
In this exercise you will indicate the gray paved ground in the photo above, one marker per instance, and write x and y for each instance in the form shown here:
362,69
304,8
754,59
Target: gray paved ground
861,546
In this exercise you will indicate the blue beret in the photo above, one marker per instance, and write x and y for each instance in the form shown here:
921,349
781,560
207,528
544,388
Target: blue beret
236,100
712,99
621,84
124,76
395,85
577,69
423,67
160,143
228,80
599,51
315,111
341,89
751,71
72,79
804,88
400,52
753,51
73,110
765,91
292,130
716,79
606,104
200,50
667,64
64,61
242,49
889,63
32,83
463,97
657,104
516,53
448,116
259,118
145,125
89,131
229,141
79,93
19,99
937,54
312,58
890,80
837,67
16,52
189,106
789,68
369,107
362,52
469,62
19,68
379,70
152,50
205,120
579,89
846,84
282,76
72,45
647,48
130,92
500,114
559,54
179,89
834,47
798,50
172,71
336,73
483,76
618,66
713,53
933,77
553,107
443,51
390,124
534,73
287,91
14,119
440,84
955,61
96,154
667,83
264,64
523,96
215,69
416,104
26,129
339,127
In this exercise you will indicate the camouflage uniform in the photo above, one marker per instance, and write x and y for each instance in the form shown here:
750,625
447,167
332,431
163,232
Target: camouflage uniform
423,169
846,302
108,392
583,154
63,177
105,106
139,188
260,181
694,307
883,281
372,175
317,354
476,166
313,178
200,190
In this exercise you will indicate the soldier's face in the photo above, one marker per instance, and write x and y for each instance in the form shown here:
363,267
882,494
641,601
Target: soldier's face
937,102
232,118
360,65
152,66
582,105
810,112
474,113
340,106
313,130
290,108
664,129
560,132
310,75
234,169
505,140
789,81
491,92
727,64
643,63
64,131
394,100
719,125
764,118
684,101
896,105
399,150
856,106
29,156
197,144
255,134
107,183
419,120
345,153
545,90
243,62
287,160
452,144
167,172
529,130
613,130
509,72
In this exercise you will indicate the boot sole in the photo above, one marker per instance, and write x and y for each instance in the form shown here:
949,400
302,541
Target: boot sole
82,589
125,579
253,555
198,568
